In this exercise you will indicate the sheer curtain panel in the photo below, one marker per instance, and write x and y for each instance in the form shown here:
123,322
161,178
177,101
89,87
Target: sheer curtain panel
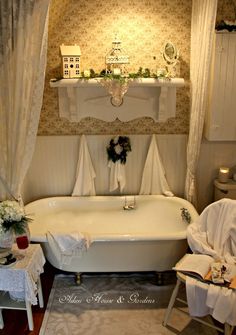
23,47
202,32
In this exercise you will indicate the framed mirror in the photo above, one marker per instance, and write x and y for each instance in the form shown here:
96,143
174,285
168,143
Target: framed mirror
170,53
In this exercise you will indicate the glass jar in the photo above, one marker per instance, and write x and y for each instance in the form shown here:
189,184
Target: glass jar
6,239
23,239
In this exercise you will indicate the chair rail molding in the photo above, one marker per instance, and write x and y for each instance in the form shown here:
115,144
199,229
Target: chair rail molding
150,97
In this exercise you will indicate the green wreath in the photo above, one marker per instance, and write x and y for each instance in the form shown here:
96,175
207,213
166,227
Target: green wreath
118,149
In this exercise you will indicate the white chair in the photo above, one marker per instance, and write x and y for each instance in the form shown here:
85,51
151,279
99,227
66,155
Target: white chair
214,233
181,279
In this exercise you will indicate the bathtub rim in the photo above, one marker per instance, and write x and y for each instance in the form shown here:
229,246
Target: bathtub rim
117,237
111,197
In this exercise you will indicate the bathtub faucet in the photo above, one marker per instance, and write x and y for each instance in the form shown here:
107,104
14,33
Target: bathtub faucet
129,204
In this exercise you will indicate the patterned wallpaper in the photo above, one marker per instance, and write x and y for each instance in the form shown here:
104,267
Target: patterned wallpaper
143,26
226,10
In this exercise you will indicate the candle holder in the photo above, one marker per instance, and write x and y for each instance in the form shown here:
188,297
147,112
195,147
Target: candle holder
223,175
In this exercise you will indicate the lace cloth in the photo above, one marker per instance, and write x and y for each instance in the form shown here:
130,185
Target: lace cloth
21,278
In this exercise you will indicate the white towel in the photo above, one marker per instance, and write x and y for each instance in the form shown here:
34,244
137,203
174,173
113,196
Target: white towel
204,299
117,176
196,292
68,245
214,232
153,179
84,184
222,301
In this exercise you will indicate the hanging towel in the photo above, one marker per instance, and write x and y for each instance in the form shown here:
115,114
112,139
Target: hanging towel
117,176
153,179
67,245
204,299
84,184
196,292
222,301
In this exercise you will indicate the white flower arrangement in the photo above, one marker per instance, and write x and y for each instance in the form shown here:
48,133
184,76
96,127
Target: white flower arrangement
12,217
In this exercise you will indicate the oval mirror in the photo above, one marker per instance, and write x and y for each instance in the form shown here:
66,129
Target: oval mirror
170,53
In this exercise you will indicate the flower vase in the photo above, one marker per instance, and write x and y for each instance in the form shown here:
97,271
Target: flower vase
6,239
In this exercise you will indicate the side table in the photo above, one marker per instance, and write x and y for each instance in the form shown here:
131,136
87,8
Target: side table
20,284
224,190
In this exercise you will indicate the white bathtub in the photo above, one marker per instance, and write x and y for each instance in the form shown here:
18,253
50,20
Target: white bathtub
151,237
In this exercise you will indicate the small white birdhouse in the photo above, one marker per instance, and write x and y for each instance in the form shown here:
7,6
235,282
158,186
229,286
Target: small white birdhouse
116,59
70,60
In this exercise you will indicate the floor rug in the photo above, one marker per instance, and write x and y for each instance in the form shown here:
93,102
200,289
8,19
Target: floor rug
117,304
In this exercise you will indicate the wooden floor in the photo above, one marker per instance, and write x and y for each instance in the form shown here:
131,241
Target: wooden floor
15,321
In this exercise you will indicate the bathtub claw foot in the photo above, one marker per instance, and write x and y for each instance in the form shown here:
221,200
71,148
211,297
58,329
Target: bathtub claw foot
160,278
78,278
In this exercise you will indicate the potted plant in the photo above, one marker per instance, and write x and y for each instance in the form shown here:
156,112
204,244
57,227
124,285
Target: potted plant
13,223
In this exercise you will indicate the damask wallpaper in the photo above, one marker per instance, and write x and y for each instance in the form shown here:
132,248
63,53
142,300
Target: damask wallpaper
143,26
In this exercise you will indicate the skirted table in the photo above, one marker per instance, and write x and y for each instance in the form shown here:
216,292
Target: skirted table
20,283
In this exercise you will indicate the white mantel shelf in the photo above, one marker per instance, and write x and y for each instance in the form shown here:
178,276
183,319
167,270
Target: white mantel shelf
173,82
150,97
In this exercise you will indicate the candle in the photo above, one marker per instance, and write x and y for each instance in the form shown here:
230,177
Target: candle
223,175
116,71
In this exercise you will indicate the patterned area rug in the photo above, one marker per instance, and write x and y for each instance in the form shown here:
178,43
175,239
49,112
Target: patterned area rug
124,304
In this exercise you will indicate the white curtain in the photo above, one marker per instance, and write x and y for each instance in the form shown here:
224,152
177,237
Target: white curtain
202,34
23,47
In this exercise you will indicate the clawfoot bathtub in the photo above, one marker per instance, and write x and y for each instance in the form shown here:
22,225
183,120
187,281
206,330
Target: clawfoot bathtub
149,237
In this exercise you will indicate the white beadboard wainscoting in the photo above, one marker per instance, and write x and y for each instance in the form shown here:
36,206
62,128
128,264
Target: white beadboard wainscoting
213,155
53,168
